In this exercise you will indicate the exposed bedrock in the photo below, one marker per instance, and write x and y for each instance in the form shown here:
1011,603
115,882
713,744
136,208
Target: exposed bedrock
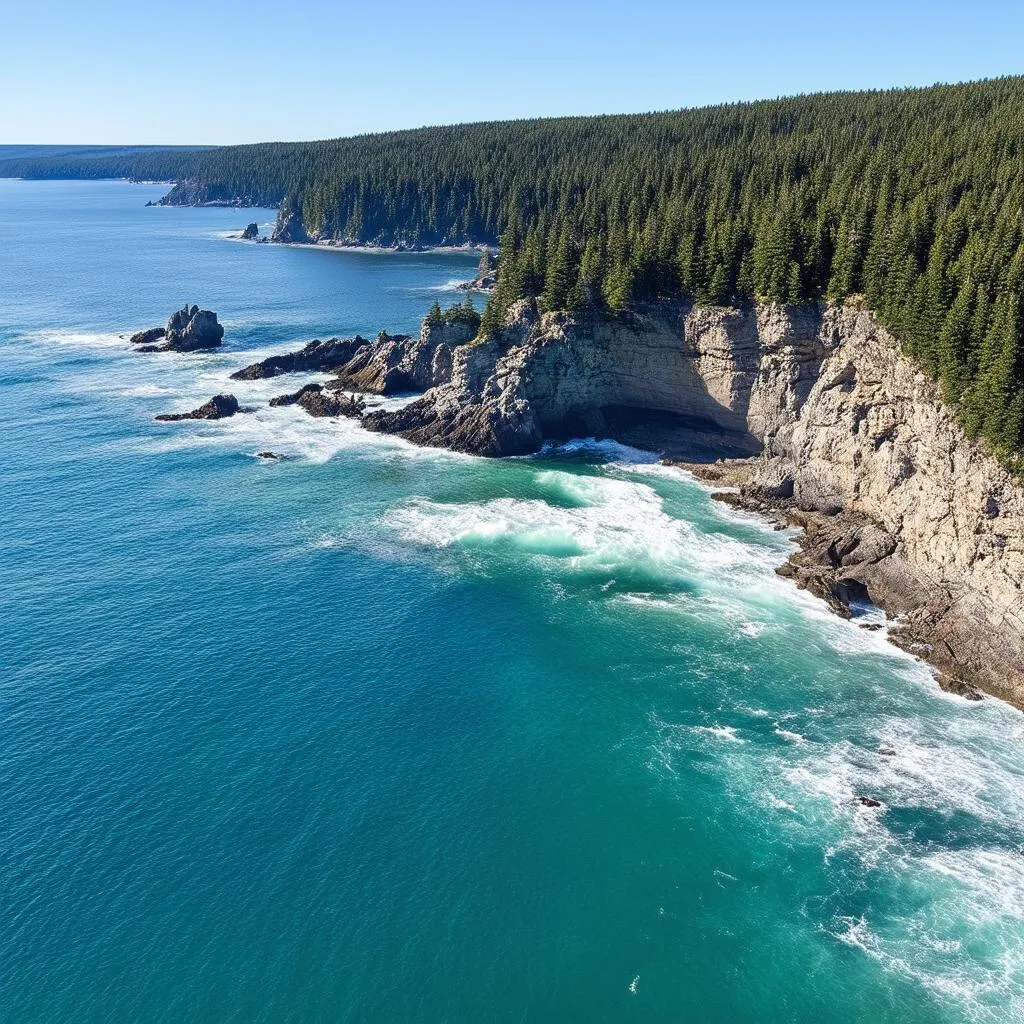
899,506
289,227
558,376
390,365
317,357
399,363
217,408
318,402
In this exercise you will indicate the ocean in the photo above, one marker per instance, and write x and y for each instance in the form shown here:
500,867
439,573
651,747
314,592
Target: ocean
378,733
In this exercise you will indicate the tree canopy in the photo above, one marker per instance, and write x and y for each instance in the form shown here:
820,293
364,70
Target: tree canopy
913,199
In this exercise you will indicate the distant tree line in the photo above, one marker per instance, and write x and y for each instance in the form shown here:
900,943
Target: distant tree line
913,199
141,163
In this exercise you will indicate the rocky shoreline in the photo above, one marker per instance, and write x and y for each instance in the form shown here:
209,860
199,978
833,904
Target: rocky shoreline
841,560
838,432
809,415
289,229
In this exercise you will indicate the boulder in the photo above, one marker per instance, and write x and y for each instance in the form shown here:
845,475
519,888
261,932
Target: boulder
217,408
251,232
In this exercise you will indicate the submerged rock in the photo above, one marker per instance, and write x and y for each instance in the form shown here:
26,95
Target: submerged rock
867,801
217,408
276,456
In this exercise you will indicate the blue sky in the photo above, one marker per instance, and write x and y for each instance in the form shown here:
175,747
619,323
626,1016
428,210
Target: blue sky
125,71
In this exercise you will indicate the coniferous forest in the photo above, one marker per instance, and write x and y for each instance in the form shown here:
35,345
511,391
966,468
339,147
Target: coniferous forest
912,199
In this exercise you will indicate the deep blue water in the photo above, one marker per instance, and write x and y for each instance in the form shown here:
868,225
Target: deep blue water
386,734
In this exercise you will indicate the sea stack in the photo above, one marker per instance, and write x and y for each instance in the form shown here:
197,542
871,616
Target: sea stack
189,329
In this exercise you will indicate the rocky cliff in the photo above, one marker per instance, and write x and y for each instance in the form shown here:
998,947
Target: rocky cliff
838,427
397,363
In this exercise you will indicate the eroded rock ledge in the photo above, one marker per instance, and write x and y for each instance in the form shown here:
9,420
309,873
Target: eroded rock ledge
836,427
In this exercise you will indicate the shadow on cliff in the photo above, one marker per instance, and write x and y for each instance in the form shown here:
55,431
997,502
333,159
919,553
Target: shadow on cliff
687,381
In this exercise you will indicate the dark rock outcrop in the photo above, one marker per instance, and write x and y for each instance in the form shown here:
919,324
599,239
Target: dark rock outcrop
251,232
192,328
189,329
398,363
486,274
389,365
867,801
154,334
317,357
483,283
193,193
293,397
960,688
217,408
289,227
318,402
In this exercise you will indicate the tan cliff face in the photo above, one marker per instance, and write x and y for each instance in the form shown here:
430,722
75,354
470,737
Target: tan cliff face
872,436
840,419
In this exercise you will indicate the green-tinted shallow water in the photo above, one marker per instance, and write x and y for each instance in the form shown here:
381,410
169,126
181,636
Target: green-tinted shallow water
386,734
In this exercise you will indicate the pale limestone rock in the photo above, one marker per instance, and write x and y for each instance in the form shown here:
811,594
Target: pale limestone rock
843,422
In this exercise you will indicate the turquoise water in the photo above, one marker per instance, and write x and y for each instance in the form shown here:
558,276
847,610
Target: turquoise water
380,733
